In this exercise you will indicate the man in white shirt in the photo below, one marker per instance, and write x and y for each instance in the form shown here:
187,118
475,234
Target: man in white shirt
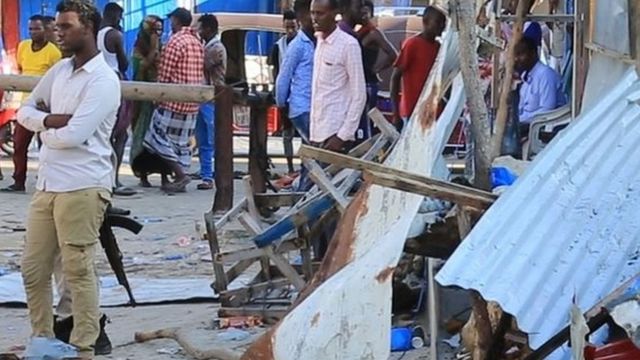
74,108
338,92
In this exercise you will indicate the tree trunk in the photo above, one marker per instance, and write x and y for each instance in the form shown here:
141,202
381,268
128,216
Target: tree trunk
480,129
503,107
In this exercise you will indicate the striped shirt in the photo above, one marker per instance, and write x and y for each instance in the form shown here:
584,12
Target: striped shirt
338,92
182,62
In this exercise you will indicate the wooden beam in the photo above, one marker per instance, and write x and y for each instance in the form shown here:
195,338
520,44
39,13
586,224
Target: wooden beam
254,289
220,284
278,199
285,268
385,176
317,174
252,209
625,58
254,252
250,223
237,269
357,152
442,190
224,149
131,90
385,126
231,214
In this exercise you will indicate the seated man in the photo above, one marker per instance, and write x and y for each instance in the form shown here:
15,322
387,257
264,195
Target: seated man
541,87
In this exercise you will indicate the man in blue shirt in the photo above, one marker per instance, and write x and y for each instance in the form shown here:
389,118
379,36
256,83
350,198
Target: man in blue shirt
541,87
293,85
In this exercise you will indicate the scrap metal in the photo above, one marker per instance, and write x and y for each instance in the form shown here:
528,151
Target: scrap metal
345,311
567,229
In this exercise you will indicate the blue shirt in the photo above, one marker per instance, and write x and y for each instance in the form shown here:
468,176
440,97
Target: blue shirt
541,91
293,86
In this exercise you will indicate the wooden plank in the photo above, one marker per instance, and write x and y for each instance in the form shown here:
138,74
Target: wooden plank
277,199
250,223
223,200
307,267
433,188
254,289
311,210
316,204
254,252
286,269
131,90
357,152
625,58
394,178
258,161
231,214
252,209
276,312
220,284
237,269
322,180
385,126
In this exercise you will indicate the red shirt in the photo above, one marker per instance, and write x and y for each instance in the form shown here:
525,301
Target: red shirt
415,61
182,62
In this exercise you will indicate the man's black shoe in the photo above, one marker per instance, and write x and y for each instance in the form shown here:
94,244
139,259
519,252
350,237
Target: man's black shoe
62,330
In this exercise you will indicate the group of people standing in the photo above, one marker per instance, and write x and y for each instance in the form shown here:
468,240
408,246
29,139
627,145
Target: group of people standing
161,131
328,73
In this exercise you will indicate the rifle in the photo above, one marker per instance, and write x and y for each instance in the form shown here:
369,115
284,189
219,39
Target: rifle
110,246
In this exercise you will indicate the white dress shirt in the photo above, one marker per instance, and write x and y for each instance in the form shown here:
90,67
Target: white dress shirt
79,155
338,92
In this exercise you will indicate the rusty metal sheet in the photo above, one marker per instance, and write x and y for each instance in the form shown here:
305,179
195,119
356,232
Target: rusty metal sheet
345,311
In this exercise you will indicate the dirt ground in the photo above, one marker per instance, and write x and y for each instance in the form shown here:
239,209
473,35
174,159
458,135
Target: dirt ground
167,219
159,251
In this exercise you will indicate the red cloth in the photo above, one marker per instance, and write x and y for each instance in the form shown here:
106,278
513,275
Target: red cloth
21,140
416,59
182,62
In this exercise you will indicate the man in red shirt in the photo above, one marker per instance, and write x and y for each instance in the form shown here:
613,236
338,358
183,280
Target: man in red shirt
173,123
413,65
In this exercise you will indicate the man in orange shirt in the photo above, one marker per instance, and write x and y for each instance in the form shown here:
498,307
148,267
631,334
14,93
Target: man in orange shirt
417,56
35,56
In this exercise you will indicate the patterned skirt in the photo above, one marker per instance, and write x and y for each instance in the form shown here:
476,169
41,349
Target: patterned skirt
169,134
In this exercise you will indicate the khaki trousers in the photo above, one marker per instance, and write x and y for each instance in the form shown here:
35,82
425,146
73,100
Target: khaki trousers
67,223
63,308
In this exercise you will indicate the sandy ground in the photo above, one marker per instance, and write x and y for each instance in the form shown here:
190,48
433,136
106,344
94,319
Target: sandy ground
166,220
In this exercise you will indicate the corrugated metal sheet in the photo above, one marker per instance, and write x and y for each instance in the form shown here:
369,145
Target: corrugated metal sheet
568,228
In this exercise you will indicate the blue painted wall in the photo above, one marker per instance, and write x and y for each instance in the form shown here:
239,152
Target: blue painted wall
43,7
136,10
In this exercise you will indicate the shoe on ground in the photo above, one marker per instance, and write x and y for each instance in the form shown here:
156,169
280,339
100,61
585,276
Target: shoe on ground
205,185
13,189
62,330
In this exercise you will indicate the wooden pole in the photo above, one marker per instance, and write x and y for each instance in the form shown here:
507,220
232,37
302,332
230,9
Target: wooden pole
480,128
223,200
503,108
258,161
131,90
